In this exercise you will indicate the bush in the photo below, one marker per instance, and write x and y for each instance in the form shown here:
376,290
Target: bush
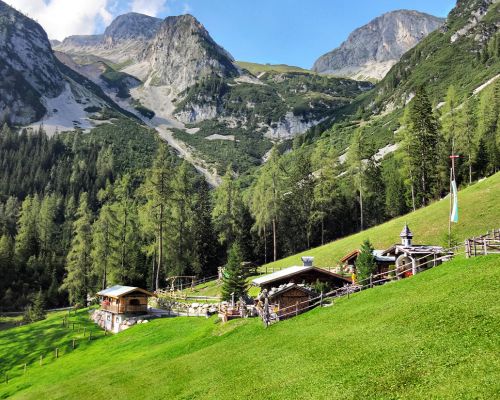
36,310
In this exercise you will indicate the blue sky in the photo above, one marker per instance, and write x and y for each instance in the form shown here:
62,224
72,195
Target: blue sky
294,32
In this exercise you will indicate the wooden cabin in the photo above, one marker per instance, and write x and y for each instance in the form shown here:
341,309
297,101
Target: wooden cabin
306,274
119,302
384,262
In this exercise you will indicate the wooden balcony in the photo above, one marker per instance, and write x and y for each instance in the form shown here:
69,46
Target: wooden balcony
124,309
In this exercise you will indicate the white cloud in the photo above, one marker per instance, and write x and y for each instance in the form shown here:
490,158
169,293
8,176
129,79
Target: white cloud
186,9
150,7
62,18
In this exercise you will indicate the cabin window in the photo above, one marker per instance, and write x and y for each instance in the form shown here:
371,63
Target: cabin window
134,302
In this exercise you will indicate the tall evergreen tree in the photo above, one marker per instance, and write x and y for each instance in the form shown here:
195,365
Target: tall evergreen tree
365,263
234,280
27,238
78,281
421,145
357,168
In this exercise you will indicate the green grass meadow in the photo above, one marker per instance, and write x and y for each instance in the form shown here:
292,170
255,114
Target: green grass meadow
434,335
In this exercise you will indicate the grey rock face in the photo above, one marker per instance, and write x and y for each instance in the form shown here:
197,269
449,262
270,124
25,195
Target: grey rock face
28,69
182,52
125,39
370,51
132,26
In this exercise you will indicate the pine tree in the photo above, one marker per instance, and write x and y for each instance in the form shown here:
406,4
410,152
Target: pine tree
234,280
365,263
421,146
79,260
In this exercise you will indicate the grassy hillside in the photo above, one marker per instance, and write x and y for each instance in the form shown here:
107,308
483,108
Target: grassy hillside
434,335
256,69
478,213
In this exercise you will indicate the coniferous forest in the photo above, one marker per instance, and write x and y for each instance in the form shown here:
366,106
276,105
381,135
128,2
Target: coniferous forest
80,212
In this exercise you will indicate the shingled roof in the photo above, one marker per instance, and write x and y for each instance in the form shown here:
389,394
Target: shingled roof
118,291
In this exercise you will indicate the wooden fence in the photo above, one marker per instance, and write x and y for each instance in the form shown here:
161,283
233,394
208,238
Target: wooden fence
483,245
270,316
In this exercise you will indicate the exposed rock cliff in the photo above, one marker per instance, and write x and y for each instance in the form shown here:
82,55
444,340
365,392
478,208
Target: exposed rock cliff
370,51
182,52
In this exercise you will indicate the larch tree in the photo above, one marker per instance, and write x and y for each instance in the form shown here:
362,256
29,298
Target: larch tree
466,138
153,214
79,259
357,168
227,210
421,145
105,252
27,239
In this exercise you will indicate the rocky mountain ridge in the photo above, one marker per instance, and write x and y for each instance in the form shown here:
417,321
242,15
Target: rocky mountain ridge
371,50
35,87
27,68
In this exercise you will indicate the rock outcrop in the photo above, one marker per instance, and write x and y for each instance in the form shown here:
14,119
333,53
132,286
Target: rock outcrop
28,69
370,51
182,52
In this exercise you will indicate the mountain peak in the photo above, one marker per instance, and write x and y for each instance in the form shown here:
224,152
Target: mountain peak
371,50
183,51
132,26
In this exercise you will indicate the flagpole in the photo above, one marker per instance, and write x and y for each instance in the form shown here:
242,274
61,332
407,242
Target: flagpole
451,206
452,179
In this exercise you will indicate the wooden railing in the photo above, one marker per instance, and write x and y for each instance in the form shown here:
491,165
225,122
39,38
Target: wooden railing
483,245
271,316
121,309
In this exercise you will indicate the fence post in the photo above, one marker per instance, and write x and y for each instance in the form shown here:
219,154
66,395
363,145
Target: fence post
296,308
90,336
371,280
467,252
6,378
485,246
321,300
84,329
73,344
475,251
57,352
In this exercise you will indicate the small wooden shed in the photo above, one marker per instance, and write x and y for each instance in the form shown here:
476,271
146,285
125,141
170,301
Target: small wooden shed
289,299
118,302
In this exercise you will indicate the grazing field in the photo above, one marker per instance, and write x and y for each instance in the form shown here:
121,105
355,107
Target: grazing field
479,211
434,335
